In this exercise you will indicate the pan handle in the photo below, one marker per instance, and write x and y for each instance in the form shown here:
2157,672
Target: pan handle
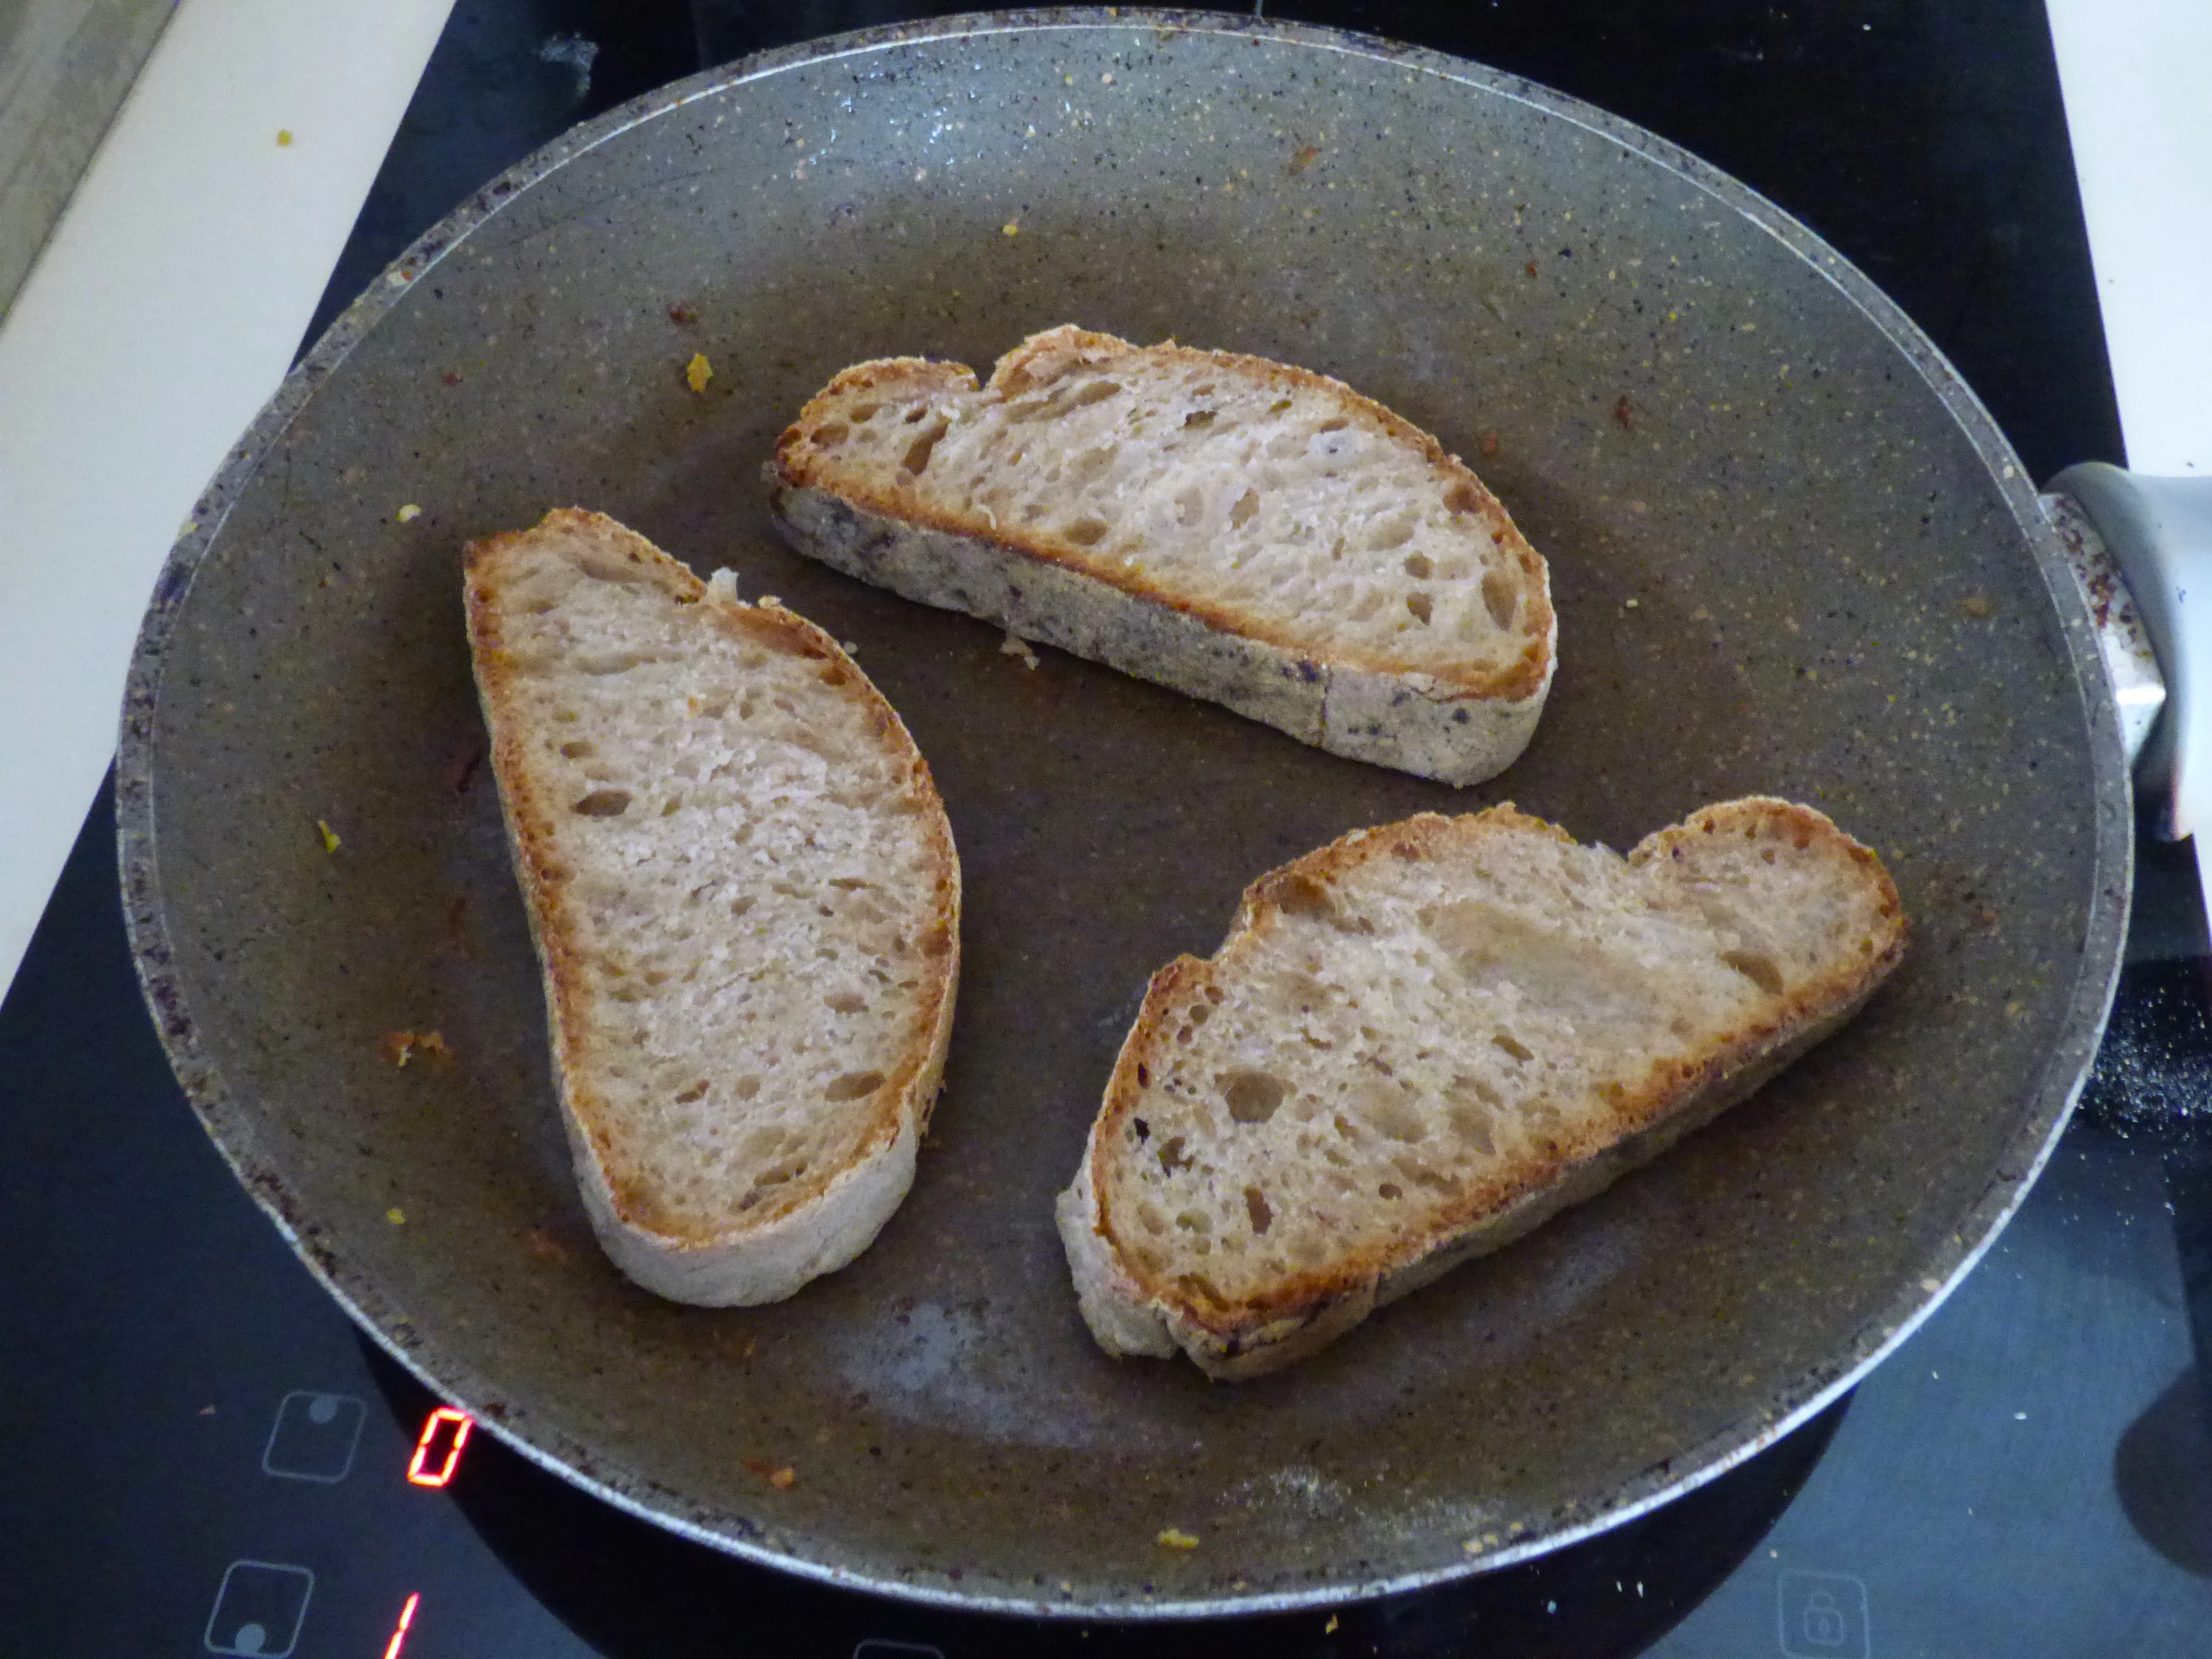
2131,651
2158,535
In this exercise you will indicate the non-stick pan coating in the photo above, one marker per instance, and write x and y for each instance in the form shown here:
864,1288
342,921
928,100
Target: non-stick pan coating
1790,552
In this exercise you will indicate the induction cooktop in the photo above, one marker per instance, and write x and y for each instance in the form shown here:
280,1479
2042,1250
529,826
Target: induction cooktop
206,1457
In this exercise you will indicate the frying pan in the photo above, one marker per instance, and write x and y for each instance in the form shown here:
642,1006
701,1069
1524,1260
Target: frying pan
1790,554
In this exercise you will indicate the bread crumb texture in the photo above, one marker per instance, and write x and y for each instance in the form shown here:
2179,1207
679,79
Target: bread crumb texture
1412,1033
744,888
1262,498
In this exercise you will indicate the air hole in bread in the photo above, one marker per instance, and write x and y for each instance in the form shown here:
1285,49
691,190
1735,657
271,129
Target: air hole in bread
1335,423
919,452
1463,497
670,807
830,434
1253,1097
1419,566
1279,406
1255,1206
696,1091
603,804
1395,1118
853,1085
609,662
1758,967
848,1002
1200,1012
1471,1122
742,903
1198,418
1499,599
1391,532
864,413
1422,606
746,1087
576,750
1096,392
1301,895
1509,1044
1190,507
1172,1157
1389,1190
1092,462
1088,532
1242,514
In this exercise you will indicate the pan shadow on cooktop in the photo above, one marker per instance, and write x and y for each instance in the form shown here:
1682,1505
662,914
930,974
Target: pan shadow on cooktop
630,1590
2174,1516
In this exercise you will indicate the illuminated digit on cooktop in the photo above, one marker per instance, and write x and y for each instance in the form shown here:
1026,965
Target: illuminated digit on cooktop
399,1636
435,1429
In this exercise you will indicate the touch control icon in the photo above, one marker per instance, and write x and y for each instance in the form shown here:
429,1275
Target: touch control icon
314,1437
259,1609
1824,1616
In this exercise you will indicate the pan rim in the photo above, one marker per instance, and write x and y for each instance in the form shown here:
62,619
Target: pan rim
2042,1114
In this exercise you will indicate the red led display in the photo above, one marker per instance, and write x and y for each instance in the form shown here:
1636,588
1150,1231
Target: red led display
419,1467
406,1618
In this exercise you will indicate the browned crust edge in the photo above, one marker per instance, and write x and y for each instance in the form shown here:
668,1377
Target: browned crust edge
543,878
796,467
1229,1331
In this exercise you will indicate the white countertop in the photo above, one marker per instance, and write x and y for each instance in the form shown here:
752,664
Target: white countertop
161,314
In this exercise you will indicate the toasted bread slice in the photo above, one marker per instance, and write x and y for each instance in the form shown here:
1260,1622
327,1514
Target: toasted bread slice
745,900
1246,532
1421,1041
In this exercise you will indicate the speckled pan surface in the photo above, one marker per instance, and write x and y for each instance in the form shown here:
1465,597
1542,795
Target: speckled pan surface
1790,554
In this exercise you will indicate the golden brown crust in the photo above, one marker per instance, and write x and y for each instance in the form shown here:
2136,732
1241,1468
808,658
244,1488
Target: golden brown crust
543,878
1040,359
1279,1316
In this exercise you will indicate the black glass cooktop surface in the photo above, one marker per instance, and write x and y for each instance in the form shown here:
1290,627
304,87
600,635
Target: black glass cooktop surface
203,1456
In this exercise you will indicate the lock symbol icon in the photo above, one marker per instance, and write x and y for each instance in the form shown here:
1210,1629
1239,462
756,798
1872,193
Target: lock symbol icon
1823,1624
1821,1615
